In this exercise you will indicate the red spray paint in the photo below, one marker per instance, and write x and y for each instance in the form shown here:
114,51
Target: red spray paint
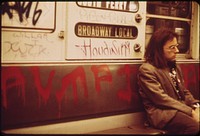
71,79
44,92
97,71
18,81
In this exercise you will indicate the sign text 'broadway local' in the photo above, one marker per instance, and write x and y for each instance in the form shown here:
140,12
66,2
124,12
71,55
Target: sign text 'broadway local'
105,31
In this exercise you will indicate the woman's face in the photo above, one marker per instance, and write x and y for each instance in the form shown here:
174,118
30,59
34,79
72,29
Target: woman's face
170,49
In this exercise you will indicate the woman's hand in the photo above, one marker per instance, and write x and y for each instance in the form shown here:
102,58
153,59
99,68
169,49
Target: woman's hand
195,114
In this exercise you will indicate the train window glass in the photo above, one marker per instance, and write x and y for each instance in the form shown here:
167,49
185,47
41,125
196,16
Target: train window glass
180,27
129,6
170,8
175,15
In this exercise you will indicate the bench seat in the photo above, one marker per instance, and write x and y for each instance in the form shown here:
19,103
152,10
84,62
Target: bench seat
134,129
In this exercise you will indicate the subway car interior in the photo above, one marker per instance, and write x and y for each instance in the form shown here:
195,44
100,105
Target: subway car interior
71,67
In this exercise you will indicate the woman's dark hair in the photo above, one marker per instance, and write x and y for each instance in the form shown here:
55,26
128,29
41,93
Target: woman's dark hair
154,52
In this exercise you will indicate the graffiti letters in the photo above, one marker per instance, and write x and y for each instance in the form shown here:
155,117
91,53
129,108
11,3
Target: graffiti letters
33,49
43,91
116,49
98,70
79,83
22,9
112,17
75,78
30,47
12,77
71,78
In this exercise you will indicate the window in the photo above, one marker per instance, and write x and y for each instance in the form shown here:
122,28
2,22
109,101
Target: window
173,14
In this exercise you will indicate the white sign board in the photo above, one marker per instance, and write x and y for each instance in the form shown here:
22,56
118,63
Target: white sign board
105,30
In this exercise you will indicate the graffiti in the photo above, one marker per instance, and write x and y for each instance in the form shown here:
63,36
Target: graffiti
73,92
115,49
12,77
25,49
32,45
98,70
22,9
111,17
31,36
101,74
189,78
43,91
125,94
71,79
77,84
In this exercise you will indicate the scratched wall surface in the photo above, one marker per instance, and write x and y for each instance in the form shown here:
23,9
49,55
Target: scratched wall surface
35,95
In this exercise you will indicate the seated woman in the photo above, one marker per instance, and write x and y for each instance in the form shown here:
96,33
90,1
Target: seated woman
168,104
